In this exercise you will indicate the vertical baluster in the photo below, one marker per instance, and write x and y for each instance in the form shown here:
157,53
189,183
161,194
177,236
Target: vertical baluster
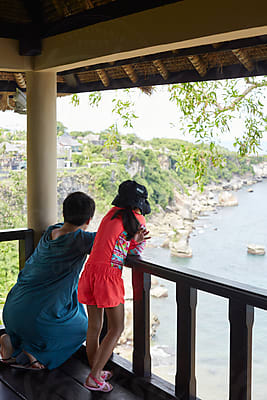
186,298
141,329
241,317
26,247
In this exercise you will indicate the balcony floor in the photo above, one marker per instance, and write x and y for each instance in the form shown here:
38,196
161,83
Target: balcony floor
66,383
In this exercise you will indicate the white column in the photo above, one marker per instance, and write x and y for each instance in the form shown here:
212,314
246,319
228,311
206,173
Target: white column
41,150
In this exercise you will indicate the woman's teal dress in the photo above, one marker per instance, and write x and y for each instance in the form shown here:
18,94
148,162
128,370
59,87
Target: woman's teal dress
42,314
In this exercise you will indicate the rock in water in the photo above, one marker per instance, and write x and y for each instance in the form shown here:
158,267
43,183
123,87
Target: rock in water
227,199
159,292
256,249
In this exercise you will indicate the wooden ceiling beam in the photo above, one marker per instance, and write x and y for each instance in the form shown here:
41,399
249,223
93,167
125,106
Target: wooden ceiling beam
198,64
227,72
128,69
161,68
20,80
101,13
103,77
244,59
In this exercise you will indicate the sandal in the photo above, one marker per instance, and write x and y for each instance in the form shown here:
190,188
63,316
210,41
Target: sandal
106,375
28,366
7,361
101,386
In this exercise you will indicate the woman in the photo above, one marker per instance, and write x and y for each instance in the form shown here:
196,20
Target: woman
42,315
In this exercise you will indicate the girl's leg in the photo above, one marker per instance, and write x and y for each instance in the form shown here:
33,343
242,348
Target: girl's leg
115,316
95,322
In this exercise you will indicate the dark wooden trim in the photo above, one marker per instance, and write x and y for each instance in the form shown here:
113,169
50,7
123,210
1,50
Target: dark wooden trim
116,9
234,71
141,330
26,247
8,86
14,234
186,298
241,317
26,242
256,297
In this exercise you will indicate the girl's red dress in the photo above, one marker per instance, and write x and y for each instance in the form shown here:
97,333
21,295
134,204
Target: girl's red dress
101,283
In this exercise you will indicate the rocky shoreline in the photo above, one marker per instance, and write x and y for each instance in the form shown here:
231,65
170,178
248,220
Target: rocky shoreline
172,228
175,224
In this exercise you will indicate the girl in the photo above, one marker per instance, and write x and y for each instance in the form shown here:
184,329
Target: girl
121,232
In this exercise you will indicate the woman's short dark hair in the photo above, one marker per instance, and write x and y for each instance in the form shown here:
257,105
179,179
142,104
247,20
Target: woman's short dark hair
78,207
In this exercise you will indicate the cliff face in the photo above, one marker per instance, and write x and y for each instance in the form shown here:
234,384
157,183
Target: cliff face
260,170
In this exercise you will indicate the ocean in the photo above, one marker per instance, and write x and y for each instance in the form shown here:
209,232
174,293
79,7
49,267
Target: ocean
219,243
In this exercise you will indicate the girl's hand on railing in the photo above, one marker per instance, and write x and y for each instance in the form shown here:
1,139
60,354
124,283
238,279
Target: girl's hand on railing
141,235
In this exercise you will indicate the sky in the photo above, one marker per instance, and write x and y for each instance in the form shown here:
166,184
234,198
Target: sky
156,116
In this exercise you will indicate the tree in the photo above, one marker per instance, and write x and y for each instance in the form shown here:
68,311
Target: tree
206,110
61,129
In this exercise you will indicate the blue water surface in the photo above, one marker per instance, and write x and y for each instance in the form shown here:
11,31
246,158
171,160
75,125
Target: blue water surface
219,243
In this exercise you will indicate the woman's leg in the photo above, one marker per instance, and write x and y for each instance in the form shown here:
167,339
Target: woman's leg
95,322
115,316
6,348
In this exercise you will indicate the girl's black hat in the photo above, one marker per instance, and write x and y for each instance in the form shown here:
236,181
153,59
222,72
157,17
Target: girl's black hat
133,195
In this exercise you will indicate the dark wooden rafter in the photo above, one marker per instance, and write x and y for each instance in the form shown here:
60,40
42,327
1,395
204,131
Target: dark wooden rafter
88,4
103,77
198,64
244,59
35,11
30,37
193,51
161,68
20,80
228,72
106,12
129,70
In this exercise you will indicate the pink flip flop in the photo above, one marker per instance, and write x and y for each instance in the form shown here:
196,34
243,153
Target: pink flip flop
101,386
106,375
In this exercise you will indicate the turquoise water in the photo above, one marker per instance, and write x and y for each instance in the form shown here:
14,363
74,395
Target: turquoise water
219,245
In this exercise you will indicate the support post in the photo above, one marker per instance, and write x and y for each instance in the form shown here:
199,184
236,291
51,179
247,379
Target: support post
26,247
185,385
141,329
241,317
41,151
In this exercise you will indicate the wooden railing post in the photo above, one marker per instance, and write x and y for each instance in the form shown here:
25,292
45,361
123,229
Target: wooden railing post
141,330
26,247
241,317
185,384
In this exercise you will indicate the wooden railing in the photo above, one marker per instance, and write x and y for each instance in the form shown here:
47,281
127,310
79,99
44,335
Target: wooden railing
242,300
26,245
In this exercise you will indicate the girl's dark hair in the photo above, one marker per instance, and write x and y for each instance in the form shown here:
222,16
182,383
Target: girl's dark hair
129,220
78,207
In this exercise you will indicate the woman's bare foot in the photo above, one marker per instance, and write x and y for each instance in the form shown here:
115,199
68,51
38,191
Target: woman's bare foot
33,362
6,348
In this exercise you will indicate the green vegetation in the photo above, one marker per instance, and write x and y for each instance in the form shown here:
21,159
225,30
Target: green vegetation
157,163
12,215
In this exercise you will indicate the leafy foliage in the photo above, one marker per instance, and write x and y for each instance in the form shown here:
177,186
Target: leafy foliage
12,215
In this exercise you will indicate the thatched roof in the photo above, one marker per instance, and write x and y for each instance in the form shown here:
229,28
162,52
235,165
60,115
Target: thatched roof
20,19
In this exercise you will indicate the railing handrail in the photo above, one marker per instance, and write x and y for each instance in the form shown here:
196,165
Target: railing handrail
14,234
254,296
25,238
